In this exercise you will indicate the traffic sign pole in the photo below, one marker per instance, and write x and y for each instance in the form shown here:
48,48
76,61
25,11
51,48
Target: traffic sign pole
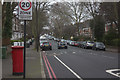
25,13
24,49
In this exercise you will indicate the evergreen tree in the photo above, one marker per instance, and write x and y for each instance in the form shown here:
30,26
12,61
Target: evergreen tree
98,25
7,30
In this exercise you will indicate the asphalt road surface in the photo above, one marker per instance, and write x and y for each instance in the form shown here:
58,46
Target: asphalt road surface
79,63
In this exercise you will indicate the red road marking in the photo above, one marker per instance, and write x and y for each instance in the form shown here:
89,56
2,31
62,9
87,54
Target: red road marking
51,68
47,68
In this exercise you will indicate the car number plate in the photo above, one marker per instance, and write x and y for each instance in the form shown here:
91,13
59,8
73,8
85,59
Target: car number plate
91,45
62,46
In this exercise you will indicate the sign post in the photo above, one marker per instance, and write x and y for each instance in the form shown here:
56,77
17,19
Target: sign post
25,13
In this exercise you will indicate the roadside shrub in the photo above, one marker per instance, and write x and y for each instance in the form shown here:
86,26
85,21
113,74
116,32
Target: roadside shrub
12,41
76,38
115,42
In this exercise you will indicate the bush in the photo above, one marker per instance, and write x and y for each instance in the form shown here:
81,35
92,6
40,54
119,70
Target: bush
81,38
76,38
22,39
12,41
115,42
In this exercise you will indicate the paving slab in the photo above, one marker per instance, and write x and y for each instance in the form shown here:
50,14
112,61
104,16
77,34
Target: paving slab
34,68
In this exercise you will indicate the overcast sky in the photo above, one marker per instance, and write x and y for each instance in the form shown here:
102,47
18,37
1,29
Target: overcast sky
65,0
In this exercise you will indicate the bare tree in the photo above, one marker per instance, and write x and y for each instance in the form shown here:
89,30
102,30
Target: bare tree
70,13
93,9
39,19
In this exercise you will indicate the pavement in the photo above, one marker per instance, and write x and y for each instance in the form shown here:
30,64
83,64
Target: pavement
112,49
34,66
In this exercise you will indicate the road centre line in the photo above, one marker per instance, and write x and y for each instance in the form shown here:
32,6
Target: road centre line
68,68
108,57
65,52
74,52
61,53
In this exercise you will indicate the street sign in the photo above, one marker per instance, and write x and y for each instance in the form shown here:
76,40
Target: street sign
25,10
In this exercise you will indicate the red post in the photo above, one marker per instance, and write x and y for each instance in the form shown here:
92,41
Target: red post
17,58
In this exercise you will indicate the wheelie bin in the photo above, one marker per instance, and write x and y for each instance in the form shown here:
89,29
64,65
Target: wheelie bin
4,53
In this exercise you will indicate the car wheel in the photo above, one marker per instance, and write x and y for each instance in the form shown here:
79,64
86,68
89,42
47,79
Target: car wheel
50,48
92,48
104,50
96,49
65,47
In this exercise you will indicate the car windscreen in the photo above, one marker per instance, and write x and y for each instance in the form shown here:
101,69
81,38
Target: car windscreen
46,43
61,43
101,44
91,42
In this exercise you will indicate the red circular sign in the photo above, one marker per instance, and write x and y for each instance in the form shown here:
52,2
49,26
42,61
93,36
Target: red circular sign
24,5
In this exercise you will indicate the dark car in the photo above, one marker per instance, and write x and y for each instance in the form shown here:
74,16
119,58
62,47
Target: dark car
98,46
62,45
81,44
45,45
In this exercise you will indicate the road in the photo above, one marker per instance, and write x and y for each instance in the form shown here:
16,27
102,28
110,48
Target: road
79,63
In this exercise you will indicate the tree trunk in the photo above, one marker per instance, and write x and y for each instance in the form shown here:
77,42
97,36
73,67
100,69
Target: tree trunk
5,41
119,27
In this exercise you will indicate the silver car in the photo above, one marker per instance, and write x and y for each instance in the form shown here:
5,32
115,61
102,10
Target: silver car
98,46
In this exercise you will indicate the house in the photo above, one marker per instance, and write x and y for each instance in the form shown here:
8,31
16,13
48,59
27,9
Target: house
85,29
108,26
17,30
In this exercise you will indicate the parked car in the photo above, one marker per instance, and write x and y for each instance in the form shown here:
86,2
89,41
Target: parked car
77,44
45,45
72,43
98,46
88,44
62,45
68,42
83,43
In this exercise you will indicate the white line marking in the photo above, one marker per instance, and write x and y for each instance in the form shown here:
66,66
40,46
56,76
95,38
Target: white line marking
94,54
108,57
61,53
74,52
65,52
111,72
54,53
44,51
68,68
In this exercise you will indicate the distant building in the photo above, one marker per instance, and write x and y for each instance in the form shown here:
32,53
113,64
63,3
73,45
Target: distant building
109,25
85,29
17,31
